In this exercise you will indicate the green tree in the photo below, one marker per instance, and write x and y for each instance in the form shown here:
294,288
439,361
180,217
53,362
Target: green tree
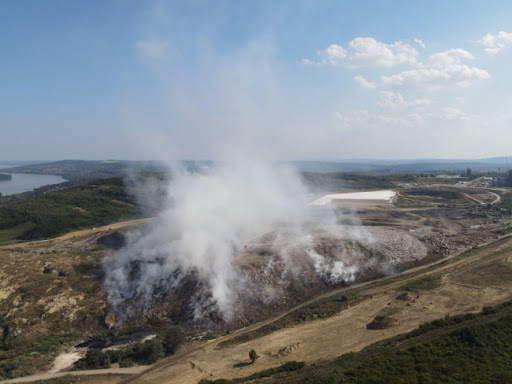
148,352
172,340
253,355
94,359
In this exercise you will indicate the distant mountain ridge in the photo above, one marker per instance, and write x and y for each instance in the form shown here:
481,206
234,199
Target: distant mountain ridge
91,169
407,166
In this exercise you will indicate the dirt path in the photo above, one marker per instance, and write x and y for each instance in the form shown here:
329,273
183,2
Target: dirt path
497,198
65,361
92,372
83,233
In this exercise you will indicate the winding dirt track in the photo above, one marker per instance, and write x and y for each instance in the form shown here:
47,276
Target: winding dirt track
497,198
92,372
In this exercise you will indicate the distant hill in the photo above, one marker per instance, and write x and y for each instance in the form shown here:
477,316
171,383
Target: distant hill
8,163
404,166
89,170
97,169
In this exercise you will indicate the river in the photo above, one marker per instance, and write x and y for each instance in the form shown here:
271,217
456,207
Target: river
23,182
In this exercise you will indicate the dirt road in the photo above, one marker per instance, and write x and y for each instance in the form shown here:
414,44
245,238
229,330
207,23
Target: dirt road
80,234
497,198
92,372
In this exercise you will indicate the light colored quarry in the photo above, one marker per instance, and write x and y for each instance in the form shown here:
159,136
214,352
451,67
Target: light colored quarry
372,197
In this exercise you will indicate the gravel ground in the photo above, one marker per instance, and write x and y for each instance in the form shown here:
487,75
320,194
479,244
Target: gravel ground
396,244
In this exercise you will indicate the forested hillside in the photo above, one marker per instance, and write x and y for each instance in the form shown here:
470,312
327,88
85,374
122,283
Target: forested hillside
97,203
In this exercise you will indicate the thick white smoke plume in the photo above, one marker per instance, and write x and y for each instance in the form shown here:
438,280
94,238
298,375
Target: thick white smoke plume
220,106
208,218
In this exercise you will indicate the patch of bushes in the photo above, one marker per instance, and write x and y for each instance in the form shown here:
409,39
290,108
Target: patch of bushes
94,359
289,366
381,322
144,353
404,296
114,240
24,354
506,201
441,193
172,339
336,180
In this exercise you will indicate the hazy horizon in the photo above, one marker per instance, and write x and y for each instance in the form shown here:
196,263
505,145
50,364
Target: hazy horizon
5,163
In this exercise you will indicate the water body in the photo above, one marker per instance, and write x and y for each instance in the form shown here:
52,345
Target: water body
23,182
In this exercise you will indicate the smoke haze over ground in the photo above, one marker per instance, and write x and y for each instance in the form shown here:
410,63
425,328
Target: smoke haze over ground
208,218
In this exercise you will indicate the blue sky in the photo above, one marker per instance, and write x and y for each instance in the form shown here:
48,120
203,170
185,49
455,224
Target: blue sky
276,79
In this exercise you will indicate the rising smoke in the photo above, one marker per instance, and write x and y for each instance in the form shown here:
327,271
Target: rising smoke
208,218
223,106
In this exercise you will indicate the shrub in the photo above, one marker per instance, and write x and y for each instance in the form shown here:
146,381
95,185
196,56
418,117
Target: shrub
292,366
172,340
253,355
94,359
381,322
148,352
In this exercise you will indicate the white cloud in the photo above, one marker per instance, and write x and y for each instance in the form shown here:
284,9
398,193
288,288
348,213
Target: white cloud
386,123
366,52
395,100
420,43
439,70
452,114
333,55
364,83
449,57
152,49
434,78
363,119
495,43
442,69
